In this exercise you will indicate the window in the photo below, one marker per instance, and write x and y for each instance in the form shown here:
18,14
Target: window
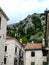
15,61
15,50
45,52
45,63
5,48
20,52
0,22
32,53
4,60
32,63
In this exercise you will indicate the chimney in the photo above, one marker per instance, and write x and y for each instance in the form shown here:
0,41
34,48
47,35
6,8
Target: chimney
32,42
43,42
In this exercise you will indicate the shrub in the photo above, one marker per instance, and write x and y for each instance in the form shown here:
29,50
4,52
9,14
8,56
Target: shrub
24,40
36,40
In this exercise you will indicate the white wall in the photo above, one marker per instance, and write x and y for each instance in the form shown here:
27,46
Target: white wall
38,58
2,39
10,54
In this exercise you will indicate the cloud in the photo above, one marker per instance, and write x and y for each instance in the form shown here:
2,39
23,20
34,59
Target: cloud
19,9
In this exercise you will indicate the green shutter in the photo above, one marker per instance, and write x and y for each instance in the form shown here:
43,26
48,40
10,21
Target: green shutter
45,63
32,63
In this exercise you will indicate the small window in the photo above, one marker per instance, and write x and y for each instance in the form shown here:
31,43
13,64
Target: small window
4,60
0,22
32,53
20,52
45,52
15,61
32,63
45,63
15,50
5,48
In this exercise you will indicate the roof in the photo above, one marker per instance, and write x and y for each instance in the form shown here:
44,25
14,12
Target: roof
31,46
4,13
12,38
8,37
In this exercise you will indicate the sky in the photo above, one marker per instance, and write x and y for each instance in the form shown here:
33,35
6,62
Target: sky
17,10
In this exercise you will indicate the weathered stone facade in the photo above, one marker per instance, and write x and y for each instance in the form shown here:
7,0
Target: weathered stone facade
14,53
3,21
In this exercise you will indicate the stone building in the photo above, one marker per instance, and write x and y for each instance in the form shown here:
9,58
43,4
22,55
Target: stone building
3,21
34,55
14,52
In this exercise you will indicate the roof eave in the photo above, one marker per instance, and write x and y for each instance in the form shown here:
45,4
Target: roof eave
33,49
4,14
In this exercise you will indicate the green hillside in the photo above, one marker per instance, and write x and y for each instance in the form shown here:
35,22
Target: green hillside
30,29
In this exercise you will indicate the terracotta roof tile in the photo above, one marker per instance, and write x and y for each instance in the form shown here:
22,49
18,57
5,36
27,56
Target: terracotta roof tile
8,37
33,46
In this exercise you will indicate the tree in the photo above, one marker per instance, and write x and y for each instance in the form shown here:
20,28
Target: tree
37,22
24,40
8,31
